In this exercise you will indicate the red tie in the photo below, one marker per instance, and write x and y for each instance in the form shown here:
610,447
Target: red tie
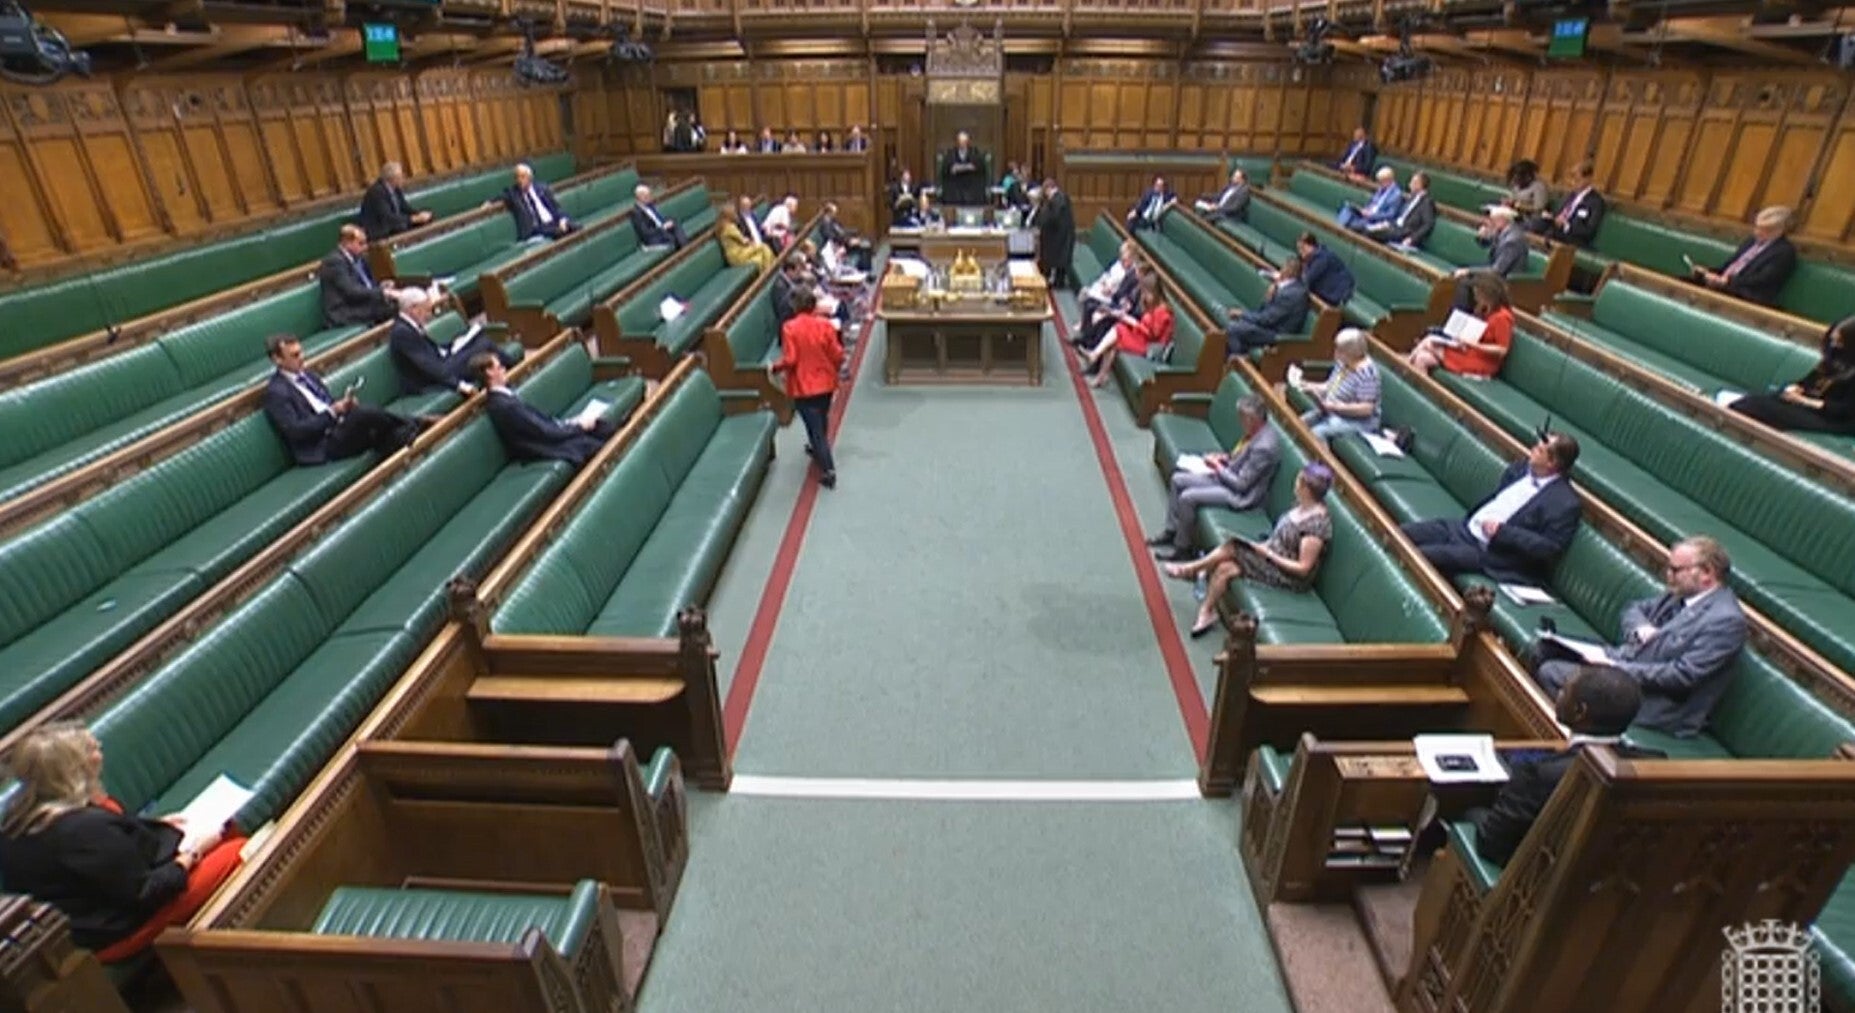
1565,213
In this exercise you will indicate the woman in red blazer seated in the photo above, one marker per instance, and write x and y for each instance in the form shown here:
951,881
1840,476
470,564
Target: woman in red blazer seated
1483,356
118,878
811,356
1152,329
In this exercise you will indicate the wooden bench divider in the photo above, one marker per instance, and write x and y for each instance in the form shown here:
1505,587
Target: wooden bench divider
1798,660
534,323
718,355
471,684
650,358
122,672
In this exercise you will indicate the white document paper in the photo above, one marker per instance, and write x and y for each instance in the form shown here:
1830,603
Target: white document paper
1193,464
1588,652
463,339
1464,328
1689,261
1725,396
594,409
670,308
1295,374
913,268
1382,446
1457,759
211,810
1022,269
1526,594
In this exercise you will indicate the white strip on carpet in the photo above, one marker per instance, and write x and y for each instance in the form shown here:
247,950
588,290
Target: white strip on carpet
963,791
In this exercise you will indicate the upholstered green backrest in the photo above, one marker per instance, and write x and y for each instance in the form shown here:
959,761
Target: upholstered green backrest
1819,290
1449,188
596,195
565,920
458,249
221,344
68,404
754,332
1187,337
565,588
1323,191
1656,246
1733,351
641,314
1222,415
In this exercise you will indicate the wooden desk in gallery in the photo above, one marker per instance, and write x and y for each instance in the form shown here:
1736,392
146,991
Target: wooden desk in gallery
988,244
971,339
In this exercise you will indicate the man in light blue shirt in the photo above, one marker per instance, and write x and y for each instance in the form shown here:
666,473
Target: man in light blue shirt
1383,207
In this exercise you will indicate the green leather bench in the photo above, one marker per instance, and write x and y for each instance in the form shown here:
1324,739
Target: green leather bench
461,916
1697,349
466,254
1381,286
1450,189
69,419
1361,594
266,693
1100,246
1258,169
1791,539
82,586
1451,244
1215,278
41,315
652,538
753,334
703,280
1133,371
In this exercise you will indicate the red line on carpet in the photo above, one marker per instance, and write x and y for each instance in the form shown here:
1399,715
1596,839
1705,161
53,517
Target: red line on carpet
1158,609
785,561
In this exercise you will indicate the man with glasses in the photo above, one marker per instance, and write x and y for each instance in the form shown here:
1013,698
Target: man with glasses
1679,646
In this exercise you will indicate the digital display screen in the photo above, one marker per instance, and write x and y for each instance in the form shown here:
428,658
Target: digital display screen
1568,38
380,42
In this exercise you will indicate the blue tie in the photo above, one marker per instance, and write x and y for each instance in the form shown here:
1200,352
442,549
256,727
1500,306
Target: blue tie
360,268
315,383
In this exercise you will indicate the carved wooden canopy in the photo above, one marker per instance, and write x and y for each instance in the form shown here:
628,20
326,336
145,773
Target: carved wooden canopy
966,68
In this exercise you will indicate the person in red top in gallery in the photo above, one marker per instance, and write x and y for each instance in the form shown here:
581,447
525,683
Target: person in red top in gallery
120,879
811,356
1149,334
1483,356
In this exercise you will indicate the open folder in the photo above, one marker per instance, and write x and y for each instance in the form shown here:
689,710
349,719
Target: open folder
211,810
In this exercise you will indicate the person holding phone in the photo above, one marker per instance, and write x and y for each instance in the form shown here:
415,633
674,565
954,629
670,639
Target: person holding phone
1288,558
317,426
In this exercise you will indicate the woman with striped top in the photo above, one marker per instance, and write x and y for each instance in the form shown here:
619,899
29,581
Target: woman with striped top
1348,401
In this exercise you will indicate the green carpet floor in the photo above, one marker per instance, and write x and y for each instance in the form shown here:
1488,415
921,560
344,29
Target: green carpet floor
964,607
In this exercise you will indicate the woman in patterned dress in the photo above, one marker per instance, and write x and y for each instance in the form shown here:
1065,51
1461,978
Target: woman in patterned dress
1288,560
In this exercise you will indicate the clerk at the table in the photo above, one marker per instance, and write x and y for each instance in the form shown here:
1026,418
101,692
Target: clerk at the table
963,179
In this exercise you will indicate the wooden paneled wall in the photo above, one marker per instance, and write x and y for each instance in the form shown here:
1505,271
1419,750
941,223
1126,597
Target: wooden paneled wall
1709,145
1092,104
97,168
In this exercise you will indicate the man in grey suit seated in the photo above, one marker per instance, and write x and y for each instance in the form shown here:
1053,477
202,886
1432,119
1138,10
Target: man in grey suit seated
1237,481
1507,251
1679,646
1232,203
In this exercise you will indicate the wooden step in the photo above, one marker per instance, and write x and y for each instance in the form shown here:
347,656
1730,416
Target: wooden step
1365,694
1386,913
636,691
1327,963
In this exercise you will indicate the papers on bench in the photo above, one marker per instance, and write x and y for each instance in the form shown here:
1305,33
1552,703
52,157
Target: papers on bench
211,810
1457,759
1193,464
671,308
1462,328
1383,446
1526,594
1295,374
1584,650
463,339
593,411
1725,396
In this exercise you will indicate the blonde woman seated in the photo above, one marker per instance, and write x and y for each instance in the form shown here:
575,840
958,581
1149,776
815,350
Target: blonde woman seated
1148,332
736,247
1288,560
120,879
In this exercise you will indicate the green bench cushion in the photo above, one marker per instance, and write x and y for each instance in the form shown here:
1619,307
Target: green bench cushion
461,916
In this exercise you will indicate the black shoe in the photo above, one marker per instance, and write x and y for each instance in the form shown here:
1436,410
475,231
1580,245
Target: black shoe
828,480
1163,538
1168,555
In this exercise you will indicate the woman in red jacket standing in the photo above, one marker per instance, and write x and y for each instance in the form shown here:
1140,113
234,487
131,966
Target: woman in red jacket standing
810,356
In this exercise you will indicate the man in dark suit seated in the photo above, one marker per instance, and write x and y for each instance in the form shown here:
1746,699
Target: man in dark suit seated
317,426
1598,706
384,208
536,211
1507,247
1232,203
1284,308
1757,271
424,366
1359,157
1146,211
1522,528
531,434
1679,646
654,228
1579,214
1323,273
1414,221
856,140
833,232
350,296
1100,316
